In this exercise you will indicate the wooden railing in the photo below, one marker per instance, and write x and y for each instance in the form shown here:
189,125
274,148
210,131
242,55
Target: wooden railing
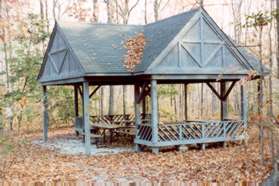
193,132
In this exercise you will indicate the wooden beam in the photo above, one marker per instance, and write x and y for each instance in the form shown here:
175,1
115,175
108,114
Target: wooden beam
86,117
154,112
76,100
80,91
223,101
229,90
94,91
214,90
137,113
46,119
143,106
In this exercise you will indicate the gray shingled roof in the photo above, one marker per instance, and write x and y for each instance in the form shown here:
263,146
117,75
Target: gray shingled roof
99,47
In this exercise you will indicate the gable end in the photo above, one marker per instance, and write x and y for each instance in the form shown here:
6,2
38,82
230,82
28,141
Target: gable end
200,47
59,62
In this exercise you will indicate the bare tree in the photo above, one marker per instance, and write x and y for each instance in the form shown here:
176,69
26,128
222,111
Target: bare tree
95,12
236,10
158,6
125,9
270,101
145,11
110,12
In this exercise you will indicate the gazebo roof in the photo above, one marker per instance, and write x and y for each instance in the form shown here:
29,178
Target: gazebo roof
189,44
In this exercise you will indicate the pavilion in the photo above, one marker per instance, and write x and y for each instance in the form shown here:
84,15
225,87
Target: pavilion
182,49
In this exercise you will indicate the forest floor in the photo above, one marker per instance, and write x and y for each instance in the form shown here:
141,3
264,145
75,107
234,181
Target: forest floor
29,161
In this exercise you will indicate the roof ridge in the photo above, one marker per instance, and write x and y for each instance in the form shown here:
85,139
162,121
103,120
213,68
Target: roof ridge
105,24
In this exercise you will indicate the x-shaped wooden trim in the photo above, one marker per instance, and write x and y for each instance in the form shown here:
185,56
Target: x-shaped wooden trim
219,95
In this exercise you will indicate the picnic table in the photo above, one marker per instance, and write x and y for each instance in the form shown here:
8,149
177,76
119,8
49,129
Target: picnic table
106,126
120,124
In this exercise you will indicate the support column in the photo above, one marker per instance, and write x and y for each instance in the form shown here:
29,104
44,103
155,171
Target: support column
137,113
185,102
224,110
86,117
143,106
76,100
46,120
154,114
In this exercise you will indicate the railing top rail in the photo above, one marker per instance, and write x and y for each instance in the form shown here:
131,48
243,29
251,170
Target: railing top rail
201,122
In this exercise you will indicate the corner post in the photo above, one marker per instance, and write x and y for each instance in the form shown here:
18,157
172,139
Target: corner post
224,111
86,117
143,103
137,113
154,114
46,120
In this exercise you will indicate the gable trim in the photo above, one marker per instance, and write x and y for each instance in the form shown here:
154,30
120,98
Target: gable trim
202,17
48,54
70,48
227,42
47,51
193,20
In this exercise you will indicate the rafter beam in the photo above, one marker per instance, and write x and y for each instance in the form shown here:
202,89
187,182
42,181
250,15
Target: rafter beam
224,97
229,90
80,91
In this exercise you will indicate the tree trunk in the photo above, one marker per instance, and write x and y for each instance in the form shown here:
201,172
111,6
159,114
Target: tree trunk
46,15
111,88
53,9
145,11
109,11
156,10
260,97
95,14
270,100
277,54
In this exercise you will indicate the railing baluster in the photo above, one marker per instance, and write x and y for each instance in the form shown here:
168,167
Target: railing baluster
180,132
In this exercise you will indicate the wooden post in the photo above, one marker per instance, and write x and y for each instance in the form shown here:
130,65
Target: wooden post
137,113
76,100
143,102
224,112
154,114
185,102
46,120
86,117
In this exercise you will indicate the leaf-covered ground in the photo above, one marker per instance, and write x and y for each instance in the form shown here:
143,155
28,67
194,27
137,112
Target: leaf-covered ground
236,162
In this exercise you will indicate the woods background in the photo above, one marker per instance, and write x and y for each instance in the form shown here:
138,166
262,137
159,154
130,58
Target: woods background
25,27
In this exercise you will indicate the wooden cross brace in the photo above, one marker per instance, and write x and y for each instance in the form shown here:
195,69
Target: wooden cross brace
221,97
92,93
